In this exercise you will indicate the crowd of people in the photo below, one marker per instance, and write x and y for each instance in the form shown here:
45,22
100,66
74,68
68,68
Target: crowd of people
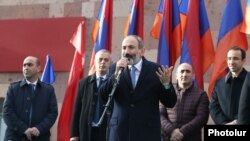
145,104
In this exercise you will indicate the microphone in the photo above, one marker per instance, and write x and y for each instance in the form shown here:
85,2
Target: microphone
121,69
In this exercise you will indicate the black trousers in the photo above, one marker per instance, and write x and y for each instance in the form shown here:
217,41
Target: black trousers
96,134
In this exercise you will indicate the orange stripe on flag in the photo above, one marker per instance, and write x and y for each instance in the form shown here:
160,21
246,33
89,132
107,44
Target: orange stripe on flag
183,19
155,31
95,30
92,63
246,24
127,26
207,50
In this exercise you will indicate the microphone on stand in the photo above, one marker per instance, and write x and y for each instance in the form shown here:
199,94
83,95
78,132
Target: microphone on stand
112,93
119,73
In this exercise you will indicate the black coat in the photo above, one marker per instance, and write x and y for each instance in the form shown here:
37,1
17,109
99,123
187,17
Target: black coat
244,104
16,110
84,108
135,115
225,98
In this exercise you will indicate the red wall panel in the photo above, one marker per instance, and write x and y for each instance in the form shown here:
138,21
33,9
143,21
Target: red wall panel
37,37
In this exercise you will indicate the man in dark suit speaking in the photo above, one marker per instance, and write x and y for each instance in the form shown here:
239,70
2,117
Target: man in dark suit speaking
135,115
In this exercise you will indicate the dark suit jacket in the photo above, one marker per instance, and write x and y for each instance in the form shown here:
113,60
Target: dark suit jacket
16,110
84,108
135,115
244,104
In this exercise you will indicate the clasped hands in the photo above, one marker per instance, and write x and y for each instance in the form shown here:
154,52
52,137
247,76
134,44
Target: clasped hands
176,135
31,132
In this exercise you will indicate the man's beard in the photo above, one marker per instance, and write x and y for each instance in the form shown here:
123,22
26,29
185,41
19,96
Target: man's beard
132,59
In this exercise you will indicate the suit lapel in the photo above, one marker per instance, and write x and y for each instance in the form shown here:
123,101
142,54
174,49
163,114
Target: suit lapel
92,88
143,73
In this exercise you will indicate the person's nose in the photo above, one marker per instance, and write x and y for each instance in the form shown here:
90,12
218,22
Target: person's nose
102,61
231,61
184,74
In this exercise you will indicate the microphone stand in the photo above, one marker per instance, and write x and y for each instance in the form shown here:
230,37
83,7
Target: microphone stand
110,97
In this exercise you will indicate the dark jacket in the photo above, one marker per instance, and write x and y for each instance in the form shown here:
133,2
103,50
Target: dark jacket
225,98
85,104
189,114
16,110
244,104
135,115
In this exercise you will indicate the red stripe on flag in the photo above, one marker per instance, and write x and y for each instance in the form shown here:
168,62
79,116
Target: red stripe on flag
175,52
140,19
193,40
173,34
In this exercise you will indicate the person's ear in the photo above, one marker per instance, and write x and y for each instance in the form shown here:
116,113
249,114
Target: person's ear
142,50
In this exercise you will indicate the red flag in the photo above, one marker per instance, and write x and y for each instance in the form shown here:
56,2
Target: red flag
102,33
197,46
134,25
229,36
246,24
76,73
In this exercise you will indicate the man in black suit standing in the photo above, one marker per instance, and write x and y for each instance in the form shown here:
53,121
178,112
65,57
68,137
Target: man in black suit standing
244,103
30,107
135,115
89,104
224,103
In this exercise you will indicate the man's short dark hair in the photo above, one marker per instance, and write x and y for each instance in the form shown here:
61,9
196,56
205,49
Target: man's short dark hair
243,52
139,40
